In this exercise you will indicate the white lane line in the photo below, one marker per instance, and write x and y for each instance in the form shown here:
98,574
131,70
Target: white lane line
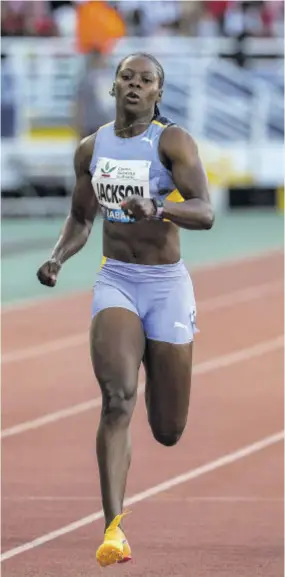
51,418
168,498
241,296
53,346
199,369
56,416
151,492
245,295
241,355
165,498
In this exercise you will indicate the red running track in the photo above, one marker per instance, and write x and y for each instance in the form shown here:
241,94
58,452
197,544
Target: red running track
224,516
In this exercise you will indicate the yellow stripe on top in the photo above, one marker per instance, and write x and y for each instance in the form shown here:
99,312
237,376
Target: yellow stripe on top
280,198
158,123
103,261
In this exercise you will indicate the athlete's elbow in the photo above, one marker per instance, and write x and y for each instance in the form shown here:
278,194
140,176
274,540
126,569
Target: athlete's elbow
207,217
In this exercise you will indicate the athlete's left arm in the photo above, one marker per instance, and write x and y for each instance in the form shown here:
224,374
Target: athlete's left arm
178,150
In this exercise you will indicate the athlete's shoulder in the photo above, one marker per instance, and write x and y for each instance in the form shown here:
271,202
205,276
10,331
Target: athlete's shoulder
178,137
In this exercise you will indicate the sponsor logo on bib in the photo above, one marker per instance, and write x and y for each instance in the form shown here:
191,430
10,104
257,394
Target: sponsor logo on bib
114,180
107,170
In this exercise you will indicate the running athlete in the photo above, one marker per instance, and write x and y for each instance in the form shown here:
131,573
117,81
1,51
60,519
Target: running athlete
143,306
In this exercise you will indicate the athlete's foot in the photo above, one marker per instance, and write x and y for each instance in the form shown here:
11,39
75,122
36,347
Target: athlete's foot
127,554
115,547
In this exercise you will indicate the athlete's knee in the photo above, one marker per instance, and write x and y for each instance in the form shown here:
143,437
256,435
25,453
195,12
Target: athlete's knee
167,437
117,403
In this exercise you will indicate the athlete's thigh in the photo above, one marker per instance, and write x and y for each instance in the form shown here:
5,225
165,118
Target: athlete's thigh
168,382
117,346
171,310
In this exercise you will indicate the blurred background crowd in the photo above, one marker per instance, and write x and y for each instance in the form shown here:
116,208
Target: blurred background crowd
143,17
224,71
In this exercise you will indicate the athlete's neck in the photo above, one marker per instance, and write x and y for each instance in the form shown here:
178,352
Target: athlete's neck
128,125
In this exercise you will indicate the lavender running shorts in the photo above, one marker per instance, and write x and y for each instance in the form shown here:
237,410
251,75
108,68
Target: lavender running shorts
162,296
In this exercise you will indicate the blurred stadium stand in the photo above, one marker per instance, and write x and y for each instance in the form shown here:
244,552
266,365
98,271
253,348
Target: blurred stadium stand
224,66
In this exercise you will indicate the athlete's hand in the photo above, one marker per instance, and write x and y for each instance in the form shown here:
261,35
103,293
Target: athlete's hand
138,207
48,272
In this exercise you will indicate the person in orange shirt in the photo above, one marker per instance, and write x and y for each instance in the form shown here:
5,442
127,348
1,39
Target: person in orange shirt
99,26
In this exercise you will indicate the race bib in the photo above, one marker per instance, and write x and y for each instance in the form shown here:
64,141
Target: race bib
114,180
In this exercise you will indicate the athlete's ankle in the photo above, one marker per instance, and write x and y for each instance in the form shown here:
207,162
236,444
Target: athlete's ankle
109,520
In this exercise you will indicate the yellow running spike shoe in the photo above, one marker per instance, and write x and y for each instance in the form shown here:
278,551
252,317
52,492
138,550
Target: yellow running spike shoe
115,547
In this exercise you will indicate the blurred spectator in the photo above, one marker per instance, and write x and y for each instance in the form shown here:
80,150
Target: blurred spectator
64,15
243,18
208,24
153,18
273,17
191,13
253,19
27,18
94,105
7,99
12,19
217,10
38,19
98,26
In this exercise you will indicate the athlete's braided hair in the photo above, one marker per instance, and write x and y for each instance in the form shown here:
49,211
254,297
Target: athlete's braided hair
159,69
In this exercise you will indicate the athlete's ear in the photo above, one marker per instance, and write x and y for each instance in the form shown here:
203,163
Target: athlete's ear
160,95
113,90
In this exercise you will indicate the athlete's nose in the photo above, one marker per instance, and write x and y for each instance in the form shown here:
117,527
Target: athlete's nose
135,83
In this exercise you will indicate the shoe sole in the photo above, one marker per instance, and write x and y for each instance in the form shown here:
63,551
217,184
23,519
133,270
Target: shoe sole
125,560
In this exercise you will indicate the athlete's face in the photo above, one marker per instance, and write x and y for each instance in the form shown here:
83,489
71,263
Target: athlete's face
137,85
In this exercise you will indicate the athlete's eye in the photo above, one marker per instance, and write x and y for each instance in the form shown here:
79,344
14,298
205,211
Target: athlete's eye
125,76
147,80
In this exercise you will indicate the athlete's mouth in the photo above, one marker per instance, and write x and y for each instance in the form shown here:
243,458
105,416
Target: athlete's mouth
133,97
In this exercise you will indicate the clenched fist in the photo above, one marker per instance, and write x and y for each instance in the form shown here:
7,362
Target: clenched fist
48,272
138,207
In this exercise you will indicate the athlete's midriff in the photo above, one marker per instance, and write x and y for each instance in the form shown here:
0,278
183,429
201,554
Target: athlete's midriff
144,242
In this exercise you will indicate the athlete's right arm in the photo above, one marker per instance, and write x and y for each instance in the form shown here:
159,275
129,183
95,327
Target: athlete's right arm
79,222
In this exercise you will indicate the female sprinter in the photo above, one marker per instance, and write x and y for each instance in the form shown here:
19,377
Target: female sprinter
143,307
